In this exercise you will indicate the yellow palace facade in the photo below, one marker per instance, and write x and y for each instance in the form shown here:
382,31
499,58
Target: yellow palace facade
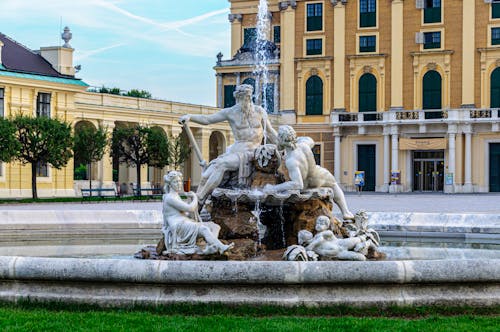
406,91
43,83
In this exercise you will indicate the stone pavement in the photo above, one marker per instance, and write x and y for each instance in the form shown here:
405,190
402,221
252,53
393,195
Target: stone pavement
371,202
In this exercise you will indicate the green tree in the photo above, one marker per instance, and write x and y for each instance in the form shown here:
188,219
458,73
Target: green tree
43,141
89,145
9,145
112,91
138,94
139,145
179,151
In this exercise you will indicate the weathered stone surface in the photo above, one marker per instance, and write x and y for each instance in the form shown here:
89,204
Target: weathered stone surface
304,215
236,220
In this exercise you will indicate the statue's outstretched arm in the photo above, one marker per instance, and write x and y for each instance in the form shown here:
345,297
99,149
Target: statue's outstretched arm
272,135
208,119
296,182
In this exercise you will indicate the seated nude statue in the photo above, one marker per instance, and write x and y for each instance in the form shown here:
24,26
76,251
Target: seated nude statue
303,171
181,232
248,123
325,244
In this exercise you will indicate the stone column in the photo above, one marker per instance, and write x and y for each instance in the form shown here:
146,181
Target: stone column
395,157
105,165
336,154
238,78
287,60
387,156
202,137
220,91
468,52
452,131
397,54
236,32
468,160
339,56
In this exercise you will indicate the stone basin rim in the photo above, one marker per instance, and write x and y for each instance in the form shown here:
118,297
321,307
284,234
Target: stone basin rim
250,272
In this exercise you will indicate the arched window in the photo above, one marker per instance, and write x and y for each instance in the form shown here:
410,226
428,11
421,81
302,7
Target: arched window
368,95
495,88
431,94
314,96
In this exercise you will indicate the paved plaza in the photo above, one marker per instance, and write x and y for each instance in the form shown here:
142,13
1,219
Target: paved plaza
372,202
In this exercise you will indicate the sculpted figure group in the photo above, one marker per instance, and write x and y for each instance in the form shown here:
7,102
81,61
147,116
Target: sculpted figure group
250,125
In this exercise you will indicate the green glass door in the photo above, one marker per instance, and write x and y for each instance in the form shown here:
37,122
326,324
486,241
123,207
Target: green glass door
494,167
366,162
368,96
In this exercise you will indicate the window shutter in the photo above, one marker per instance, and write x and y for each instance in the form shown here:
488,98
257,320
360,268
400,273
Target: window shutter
419,38
420,4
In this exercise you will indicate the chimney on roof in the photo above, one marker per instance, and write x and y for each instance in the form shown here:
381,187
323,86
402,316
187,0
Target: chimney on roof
1,45
61,57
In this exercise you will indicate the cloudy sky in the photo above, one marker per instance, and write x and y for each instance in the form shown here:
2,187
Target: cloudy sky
167,47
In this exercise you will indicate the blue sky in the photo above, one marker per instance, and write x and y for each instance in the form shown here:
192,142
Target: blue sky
167,47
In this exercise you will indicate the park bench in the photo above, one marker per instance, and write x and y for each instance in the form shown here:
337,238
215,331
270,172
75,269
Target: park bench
149,192
101,193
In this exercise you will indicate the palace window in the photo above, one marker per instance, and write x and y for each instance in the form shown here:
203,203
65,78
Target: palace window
268,96
43,104
42,170
249,36
314,47
314,96
432,40
316,150
495,9
367,13
495,89
495,36
367,101
431,94
315,17
367,44
2,102
228,95
432,11
277,34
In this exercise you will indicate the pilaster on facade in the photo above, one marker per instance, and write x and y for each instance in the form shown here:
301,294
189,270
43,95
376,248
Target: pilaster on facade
105,165
468,52
287,55
236,32
397,54
467,131
339,55
386,133
337,152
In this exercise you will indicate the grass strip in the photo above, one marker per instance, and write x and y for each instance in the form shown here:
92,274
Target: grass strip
264,310
37,319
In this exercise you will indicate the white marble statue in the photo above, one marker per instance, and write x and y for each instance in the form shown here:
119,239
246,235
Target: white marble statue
181,231
249,124
326,245
303,171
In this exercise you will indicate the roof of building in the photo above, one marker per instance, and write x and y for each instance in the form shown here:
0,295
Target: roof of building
20,61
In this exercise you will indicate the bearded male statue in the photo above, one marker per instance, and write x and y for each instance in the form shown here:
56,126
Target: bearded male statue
249,124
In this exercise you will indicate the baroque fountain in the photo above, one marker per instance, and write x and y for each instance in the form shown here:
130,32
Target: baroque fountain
261,229
261,199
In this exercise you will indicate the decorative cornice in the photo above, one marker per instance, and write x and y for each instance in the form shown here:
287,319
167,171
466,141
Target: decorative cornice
232,17
283,5
335,2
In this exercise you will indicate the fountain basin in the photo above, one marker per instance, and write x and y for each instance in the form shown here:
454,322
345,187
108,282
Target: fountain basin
115,282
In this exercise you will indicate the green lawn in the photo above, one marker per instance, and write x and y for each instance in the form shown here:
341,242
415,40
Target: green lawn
36,318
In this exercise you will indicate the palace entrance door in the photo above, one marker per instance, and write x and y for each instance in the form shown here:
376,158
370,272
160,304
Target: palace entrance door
428,170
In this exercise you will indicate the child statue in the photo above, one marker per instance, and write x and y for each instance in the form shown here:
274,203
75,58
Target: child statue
181,231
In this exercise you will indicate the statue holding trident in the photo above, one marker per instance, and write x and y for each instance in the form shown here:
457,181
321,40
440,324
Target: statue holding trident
249,124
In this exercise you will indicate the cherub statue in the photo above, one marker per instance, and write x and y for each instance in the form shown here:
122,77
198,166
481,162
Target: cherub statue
180,230
326,245
303,171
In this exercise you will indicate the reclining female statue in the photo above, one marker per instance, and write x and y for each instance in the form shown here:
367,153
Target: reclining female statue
181,231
